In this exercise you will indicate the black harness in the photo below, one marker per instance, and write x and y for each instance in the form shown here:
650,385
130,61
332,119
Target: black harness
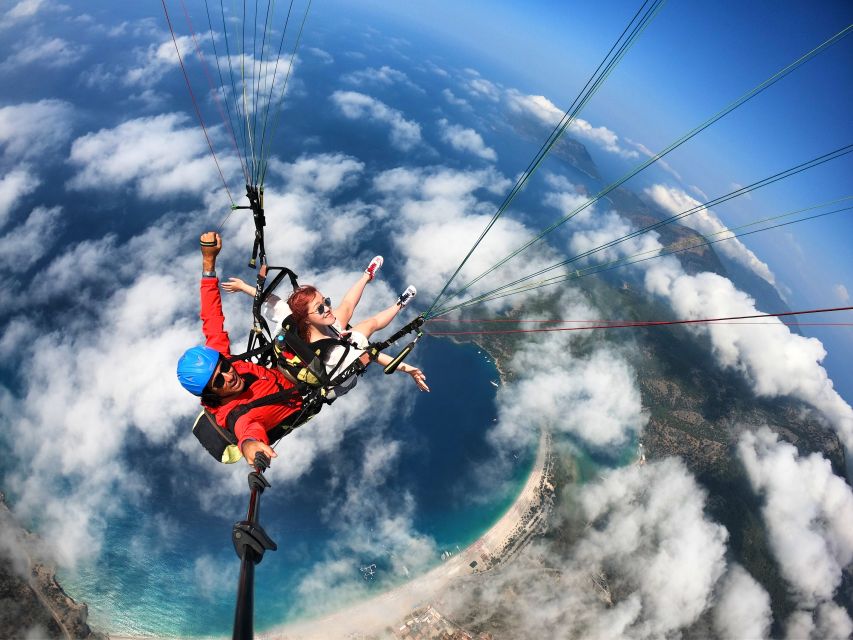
302,362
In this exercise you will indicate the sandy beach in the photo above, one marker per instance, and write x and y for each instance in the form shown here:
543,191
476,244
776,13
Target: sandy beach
376,614
388,609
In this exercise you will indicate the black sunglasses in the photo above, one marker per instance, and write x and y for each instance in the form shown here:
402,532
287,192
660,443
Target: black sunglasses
325,306
219,380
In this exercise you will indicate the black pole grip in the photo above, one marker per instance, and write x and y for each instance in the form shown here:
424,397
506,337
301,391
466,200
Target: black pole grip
391,367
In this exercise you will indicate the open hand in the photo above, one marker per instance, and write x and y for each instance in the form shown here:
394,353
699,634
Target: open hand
236,285
419,378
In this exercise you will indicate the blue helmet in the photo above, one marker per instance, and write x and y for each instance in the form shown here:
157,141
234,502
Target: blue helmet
196,367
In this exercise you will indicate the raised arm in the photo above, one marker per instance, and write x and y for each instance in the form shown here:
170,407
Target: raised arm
212,318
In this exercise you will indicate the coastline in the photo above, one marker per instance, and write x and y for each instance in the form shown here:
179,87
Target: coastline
494,547
28,580
381,613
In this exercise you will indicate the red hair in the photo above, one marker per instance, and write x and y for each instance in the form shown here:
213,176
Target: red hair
298,302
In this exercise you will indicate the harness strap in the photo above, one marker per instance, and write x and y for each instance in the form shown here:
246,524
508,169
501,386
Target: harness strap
282,396
252,353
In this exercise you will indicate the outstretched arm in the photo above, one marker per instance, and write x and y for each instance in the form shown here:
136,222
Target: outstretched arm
344,311
417,375
235,285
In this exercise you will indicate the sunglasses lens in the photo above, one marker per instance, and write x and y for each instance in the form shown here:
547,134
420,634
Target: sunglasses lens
219,380
324,306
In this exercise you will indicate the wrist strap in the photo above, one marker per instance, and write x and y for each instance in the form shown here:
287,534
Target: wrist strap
209,274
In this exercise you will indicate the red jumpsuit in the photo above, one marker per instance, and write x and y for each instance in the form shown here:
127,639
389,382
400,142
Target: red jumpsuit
257,421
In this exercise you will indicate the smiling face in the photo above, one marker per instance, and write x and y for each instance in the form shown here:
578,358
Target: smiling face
320,311
225,381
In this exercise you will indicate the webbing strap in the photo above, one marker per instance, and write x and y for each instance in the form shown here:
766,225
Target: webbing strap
282,396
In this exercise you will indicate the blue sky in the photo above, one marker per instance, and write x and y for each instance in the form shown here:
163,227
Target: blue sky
694,59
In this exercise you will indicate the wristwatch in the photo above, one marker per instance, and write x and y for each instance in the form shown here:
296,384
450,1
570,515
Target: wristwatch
208,274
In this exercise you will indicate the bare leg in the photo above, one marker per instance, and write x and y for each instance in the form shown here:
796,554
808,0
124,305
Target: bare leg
347,307
379,321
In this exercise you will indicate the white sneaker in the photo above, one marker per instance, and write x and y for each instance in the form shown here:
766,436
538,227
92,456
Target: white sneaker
407,295
374,266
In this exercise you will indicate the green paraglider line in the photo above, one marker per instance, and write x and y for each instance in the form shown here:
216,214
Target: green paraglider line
234,95
605,324
195,104
226,120
690,134
277,111
571,113
623,262
787,173
272,87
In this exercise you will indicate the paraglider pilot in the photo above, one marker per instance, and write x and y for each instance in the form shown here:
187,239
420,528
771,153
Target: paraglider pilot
225,387
234,392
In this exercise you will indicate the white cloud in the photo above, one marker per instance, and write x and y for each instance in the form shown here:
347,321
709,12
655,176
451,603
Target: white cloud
592,231
211,577
808,511
371,523
698,191
464,139
405,134
434,68
25,9
26,244
32,129
594,398
651,528
157,156
548,113
832,621
156,61
841,293
324,56
16,184
455,100
439,215
482,88
139,330
660,162
384,75
647,534
743,607
325,173
737,186
706,222
775,361
52,53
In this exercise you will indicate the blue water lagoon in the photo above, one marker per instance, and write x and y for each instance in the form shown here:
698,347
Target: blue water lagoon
168,567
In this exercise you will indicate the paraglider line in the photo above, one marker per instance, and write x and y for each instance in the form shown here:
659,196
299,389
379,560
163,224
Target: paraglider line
195,104
226,121
643,323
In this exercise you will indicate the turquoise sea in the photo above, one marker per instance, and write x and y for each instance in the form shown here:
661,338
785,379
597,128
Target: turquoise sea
146,580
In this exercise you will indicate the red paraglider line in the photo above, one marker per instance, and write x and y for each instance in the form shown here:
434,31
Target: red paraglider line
605,324
195,104
226,121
